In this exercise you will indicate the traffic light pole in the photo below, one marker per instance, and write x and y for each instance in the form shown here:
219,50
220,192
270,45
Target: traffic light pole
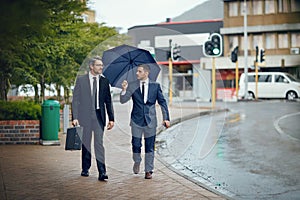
170,81
170,72
213,78
245,50
236,79
256,79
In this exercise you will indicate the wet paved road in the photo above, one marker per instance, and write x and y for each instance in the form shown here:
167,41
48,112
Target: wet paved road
251,152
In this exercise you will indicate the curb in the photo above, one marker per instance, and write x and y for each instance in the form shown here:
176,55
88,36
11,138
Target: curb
191,116
177,121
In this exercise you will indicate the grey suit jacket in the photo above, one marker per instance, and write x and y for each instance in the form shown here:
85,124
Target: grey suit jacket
82,101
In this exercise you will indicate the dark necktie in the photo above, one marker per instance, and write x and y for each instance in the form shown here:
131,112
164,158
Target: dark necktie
143,90
94,97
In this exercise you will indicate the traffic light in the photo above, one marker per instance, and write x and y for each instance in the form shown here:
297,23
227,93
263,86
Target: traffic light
262,55
176,52
213,47
256,54
234,54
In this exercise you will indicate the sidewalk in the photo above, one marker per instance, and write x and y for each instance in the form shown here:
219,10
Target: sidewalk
50,172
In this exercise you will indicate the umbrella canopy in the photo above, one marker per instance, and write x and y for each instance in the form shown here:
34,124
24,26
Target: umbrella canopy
121,62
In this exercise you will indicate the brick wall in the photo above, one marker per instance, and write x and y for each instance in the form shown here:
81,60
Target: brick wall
19,131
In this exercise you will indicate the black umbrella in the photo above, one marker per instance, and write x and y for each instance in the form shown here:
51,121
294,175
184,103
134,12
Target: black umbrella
120,64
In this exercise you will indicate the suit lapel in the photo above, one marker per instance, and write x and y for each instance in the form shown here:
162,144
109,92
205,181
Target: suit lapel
150,89
100,89
87,87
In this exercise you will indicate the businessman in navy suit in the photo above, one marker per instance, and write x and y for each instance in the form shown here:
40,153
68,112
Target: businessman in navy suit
91,101
144,94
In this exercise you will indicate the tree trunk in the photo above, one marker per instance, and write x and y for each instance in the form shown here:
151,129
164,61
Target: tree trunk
36,93
66,95
58,90
42,83
4,87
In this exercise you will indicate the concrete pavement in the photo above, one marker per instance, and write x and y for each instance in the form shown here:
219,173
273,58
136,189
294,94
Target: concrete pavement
50,172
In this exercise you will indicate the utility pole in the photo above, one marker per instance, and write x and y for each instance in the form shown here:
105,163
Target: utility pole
256,72
237,79
245,50
213,87
234,59
170,72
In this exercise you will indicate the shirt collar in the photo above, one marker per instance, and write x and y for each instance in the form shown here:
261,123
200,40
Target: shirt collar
91,76
145,81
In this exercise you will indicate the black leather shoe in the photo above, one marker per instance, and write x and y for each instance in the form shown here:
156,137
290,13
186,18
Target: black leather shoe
85,173
148,175
102,177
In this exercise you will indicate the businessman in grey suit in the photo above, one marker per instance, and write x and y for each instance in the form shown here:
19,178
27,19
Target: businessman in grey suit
91,101
144,94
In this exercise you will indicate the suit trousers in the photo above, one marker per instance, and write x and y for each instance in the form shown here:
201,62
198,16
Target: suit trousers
149,138
97,127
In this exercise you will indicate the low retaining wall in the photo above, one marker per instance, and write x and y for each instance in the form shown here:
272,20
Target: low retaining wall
19,132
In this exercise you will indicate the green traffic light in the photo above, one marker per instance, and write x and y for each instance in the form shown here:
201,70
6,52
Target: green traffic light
213,46
216,51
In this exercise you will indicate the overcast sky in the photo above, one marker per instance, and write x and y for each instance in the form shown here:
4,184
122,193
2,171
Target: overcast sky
128,13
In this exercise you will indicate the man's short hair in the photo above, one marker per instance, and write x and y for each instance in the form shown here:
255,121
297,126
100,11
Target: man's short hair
145,67
93,60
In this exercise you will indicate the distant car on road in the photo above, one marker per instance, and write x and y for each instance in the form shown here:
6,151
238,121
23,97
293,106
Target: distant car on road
270,85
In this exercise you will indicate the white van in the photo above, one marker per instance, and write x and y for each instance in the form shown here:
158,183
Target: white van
270,85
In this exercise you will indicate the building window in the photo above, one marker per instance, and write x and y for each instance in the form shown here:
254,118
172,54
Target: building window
269,6
270,41
242,43
233,8
295,40
283,6
283,40
295,5
257,41
233,42
257,7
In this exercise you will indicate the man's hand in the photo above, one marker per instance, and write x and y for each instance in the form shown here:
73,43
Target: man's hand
75,122
110,125
124,85
166,123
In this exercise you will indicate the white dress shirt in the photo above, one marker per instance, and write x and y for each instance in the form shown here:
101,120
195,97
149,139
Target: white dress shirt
91,77
146,85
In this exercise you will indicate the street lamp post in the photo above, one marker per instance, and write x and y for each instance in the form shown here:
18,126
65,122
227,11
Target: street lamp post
245,50
170,72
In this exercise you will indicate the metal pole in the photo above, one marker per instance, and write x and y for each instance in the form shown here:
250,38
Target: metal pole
236,79
256,80
170,81
66,119
213,78
170,72
245,50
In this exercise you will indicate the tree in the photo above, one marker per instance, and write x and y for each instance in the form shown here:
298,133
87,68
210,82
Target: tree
52,52
27,18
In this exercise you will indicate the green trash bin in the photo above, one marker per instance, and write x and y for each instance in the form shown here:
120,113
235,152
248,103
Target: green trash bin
50,122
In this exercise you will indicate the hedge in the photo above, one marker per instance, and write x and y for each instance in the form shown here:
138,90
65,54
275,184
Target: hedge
20,110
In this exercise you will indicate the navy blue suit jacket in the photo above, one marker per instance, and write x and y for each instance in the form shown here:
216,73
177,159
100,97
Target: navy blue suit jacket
141,111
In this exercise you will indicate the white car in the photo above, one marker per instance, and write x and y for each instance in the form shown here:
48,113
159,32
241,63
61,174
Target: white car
270,85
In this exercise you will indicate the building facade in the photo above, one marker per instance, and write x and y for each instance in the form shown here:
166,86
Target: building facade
188,80
272,26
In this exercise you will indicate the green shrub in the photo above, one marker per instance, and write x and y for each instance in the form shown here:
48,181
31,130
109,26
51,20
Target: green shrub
20,110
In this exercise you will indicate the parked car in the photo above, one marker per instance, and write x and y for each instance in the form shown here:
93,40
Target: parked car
270,85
